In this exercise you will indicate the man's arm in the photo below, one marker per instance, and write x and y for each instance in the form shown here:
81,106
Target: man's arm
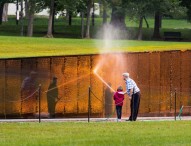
131,93
125,92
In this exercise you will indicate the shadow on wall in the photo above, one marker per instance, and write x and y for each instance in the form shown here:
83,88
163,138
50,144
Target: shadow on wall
158,74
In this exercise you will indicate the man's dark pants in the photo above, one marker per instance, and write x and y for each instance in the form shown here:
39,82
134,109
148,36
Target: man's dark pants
135,101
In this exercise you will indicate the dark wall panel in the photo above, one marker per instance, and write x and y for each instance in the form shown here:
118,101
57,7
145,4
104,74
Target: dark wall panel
2,86
13,85
154,79
157,74
143,81
165,71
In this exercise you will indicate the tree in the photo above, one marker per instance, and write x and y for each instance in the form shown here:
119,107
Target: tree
2,3
22,16
72,7
187,4
89,5
118,13
26,9
105,5
33,6
157,25
1,11
31,11
138,9
161,7
5,12
81,7
51,16
51,4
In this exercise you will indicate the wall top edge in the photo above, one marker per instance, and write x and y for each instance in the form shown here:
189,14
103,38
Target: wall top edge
32,57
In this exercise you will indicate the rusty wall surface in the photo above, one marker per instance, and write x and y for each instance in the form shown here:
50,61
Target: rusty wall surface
185,77
83,70
158,75
57,68
154,96
143,80
43,74
2,86
12,86
132,68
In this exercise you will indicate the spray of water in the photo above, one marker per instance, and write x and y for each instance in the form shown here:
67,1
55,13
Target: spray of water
70,81
99,77
110,66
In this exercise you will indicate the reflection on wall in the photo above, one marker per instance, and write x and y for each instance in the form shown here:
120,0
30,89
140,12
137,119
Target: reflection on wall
157,74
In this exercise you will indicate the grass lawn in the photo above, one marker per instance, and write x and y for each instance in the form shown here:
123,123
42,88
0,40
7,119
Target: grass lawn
154,133
17,47
63,30
166,23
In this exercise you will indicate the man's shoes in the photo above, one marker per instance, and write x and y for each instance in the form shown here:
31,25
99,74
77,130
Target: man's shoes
128,120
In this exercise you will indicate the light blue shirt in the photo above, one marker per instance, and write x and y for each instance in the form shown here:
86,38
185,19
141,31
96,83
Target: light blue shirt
130,84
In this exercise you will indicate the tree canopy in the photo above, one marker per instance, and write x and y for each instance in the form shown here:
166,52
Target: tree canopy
117,10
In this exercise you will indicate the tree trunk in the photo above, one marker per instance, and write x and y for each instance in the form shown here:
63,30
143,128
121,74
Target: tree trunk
88,19
26,9
1,12
31,9
17,12
146,21
104,13
5,12
82,25
156,34
30,25
139,36
118,18
70,18
22,15
93,14
54,12
49,32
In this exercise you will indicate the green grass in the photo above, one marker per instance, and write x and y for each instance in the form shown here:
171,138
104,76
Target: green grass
166,23
62,30
17,47
174,133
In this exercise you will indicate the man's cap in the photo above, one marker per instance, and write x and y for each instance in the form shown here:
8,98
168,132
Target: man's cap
126,74
54,78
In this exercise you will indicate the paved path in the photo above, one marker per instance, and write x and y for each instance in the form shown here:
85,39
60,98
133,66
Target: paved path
95,119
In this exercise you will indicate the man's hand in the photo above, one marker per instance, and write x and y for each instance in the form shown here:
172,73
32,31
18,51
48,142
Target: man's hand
125,92
57,99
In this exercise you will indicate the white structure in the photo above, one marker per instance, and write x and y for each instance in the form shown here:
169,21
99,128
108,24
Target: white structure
96,9
12,10
45,12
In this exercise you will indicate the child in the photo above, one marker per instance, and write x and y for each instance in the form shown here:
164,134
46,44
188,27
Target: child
119,97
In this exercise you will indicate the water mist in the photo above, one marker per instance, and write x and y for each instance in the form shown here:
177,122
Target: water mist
110,66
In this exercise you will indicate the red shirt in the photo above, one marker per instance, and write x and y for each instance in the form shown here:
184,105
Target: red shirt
118,97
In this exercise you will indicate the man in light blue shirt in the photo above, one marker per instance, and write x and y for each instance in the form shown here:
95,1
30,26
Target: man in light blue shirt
133,92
